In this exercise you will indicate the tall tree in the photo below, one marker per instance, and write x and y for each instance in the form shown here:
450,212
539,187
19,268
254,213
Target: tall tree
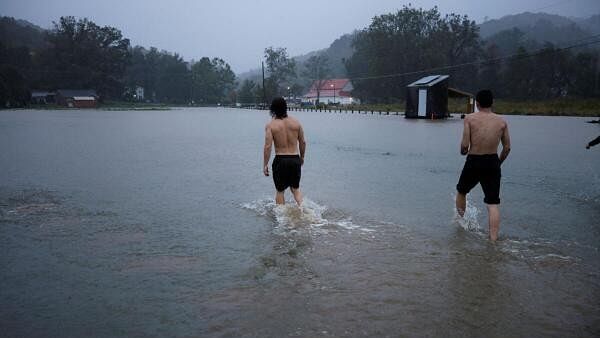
85,55
518,76
585,74
281,69
246,93
212,80
405,41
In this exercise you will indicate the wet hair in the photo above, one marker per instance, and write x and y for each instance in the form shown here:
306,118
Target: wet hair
279,108
485,98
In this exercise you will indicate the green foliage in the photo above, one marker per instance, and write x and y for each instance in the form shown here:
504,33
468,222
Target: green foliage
18,33
405,41
247,94
13,90
281,70
82,54
212,80
78,54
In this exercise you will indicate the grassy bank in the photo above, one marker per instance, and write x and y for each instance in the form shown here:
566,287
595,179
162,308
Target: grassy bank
117,105
555,107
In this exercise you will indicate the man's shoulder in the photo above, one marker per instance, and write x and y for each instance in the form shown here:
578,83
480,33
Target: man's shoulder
500,118
292,118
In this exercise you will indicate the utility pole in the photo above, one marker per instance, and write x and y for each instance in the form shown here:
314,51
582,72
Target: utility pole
264,89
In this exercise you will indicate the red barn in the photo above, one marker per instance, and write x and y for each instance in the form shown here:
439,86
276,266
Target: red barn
81,98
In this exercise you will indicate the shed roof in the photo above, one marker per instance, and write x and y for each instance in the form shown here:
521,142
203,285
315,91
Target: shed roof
453,92
76,92
40,93
429,81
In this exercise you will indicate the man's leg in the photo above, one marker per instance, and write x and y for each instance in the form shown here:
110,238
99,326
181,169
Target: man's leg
279,197
494,220
461,203
297,195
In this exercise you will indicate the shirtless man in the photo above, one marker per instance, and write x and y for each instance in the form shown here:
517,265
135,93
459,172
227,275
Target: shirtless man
483,132
287,134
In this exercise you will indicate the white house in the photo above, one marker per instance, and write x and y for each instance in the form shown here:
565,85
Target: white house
331,91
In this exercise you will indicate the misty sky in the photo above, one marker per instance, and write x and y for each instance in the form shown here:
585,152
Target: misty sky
239,30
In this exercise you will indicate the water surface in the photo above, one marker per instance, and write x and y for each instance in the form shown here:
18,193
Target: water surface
160,223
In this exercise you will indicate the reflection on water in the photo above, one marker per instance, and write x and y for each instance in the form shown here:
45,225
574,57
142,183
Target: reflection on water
152,224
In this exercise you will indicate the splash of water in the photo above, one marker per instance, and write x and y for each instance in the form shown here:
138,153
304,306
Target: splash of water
310,216
469,220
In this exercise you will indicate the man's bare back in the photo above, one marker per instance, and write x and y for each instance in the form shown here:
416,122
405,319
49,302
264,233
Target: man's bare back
287,134
483,132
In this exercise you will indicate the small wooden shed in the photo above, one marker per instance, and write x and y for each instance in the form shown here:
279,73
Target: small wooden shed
428,97
86,98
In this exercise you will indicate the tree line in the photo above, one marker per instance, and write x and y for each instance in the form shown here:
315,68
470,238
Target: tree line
399,48
390,53
393,51
78,54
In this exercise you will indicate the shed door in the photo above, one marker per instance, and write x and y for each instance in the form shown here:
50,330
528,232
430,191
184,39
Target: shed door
422,110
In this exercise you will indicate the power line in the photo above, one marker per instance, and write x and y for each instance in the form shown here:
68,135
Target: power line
552,5
482,62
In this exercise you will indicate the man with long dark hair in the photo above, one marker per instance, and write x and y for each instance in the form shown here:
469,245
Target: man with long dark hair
287,135
483,131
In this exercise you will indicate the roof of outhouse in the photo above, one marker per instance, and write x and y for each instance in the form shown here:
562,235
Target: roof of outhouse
429,81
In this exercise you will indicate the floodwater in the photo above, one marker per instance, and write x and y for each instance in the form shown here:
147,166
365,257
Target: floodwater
160,223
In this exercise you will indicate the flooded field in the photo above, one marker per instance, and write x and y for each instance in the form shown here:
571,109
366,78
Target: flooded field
160,223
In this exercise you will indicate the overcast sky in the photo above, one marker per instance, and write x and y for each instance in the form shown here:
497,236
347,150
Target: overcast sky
239,30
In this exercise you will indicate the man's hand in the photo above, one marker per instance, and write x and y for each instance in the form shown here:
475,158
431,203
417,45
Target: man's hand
301,161
266,170
587,146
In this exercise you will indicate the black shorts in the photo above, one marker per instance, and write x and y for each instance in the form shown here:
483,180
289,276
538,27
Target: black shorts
484,169
287,170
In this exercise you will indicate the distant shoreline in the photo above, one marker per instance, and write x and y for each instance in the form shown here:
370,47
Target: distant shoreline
555,107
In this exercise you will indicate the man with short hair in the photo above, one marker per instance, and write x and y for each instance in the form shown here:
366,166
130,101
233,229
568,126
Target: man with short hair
287,134
483,131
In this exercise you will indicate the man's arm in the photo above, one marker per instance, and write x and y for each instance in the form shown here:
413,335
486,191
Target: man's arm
593,142
466,138
301,144
267,149
505,143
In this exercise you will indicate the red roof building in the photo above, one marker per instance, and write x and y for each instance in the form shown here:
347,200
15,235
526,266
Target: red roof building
331,91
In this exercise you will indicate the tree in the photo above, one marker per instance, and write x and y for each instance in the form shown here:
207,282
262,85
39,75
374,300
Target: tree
281,70
518,76
212,80
550,73
84,55
586,74
403,42
489,75
317,70
13,89
246,94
